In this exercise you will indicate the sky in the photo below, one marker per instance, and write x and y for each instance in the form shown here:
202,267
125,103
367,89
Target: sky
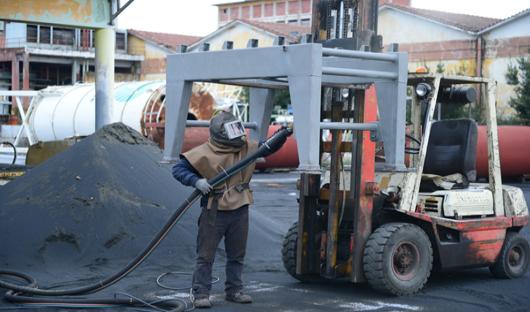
199,17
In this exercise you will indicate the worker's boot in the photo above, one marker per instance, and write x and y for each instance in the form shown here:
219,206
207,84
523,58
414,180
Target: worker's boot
202,302
238,297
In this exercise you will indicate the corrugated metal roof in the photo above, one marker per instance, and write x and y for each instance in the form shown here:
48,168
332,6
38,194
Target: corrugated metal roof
466,22
170,41
506,20
290,31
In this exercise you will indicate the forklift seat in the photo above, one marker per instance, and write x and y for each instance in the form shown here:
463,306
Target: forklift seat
452,148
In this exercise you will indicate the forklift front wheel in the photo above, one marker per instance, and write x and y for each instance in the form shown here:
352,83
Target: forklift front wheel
289,247
514,257
398,258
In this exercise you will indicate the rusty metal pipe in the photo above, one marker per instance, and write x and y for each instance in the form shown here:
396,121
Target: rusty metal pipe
349,126
206,123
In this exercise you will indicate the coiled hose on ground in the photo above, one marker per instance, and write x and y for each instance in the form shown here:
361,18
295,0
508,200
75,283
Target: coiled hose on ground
30,293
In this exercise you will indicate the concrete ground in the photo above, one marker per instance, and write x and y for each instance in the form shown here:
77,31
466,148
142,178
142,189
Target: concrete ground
467,290
274,290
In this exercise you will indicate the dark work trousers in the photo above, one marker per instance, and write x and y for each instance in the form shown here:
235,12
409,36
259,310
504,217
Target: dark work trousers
233,226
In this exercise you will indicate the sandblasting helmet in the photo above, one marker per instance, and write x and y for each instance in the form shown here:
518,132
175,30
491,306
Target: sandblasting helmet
227,130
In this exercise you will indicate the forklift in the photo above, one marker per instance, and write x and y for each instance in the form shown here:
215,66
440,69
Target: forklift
391,228
408,202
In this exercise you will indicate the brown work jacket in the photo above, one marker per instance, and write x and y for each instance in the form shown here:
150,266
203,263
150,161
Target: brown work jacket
210,159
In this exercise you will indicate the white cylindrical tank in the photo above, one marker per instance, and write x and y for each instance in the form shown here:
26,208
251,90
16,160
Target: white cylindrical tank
69,111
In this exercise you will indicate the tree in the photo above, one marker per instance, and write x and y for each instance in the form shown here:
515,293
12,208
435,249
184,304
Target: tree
440,68
518,75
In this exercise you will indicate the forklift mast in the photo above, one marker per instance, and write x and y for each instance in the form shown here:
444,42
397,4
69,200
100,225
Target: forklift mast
338,216
348,24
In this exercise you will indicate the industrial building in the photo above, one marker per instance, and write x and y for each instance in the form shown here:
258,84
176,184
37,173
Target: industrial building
33,56
291,12
458,43
64,56
51,55
239,32
275,11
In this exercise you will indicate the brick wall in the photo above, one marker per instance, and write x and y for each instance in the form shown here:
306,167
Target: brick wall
443,50
245,12
153,66
280,8
306,6
508,47
294,7
256,11
223,14
234,12
269,9
465,49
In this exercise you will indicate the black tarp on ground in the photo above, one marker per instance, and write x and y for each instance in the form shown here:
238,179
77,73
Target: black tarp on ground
93,207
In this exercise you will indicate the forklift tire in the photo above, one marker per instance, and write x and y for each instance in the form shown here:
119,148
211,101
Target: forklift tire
513,259
290,242
398,259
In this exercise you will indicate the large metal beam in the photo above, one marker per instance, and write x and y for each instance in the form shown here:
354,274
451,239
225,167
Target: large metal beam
178,95
304,70
73,13
260,109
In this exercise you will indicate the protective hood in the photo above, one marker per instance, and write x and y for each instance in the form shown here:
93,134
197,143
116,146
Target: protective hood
218,132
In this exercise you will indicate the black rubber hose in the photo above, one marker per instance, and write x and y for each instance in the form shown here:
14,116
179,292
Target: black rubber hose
271,145
14,151
173,305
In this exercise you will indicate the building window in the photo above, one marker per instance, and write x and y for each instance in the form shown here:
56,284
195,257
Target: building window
223,14
306,6
31,33
234,12
122,70
269,9
295,21
63,36
85,38
280,8
294,7
305,22
44,36
246,12
120,41
256,11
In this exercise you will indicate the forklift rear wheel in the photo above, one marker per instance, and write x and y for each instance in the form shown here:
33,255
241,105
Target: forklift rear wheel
514,257
398,259
290,242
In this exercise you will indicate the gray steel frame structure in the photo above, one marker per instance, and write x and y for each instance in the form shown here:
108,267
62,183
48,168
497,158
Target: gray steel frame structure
304,69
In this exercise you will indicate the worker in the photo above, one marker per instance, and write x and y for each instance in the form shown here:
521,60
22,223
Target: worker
224,207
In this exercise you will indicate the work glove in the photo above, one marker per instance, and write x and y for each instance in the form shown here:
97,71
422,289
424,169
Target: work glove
203,186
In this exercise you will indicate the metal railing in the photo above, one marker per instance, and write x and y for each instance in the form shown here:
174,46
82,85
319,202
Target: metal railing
21,42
